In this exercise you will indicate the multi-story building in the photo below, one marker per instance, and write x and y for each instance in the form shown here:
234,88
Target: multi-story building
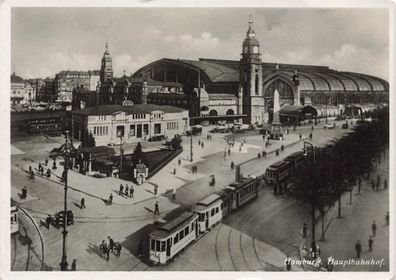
132,122
22,91
66,81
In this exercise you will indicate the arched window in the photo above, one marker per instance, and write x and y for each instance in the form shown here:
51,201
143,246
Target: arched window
213,113
204,108
285,91
230,112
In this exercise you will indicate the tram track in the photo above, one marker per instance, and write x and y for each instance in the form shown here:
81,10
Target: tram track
243,254
229,249
216,250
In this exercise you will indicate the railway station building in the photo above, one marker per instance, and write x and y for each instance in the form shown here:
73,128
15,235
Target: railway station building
242,90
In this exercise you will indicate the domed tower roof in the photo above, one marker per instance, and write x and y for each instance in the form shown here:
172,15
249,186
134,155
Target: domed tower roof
250,39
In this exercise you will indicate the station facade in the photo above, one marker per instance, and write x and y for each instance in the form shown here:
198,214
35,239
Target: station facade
242,90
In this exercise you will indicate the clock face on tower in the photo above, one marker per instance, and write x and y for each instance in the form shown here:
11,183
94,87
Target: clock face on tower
255,49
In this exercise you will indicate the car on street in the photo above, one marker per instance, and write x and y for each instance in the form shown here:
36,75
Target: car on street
329,126
344,126
156,138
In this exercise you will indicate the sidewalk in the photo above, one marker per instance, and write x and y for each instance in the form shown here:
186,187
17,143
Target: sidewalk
355,224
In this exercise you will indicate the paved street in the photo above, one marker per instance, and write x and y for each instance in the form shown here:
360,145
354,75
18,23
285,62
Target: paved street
129,219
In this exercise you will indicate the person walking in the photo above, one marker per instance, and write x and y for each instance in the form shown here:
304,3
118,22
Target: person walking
111,199
103,248
82,204
370,243
121,189
48,173
54,165
304,230
74,265
108,253
387,218
288,263
156,208
174,193
358,248
111,243
131,191
48,221
126,190
179,161
374,228
300,136
140,249
24,193
118,249
155,189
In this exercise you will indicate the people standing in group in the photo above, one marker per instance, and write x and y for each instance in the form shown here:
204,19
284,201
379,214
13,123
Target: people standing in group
111,243
103,248
156,208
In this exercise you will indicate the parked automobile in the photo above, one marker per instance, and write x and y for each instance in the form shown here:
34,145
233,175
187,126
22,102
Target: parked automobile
344,126
329,126
156,138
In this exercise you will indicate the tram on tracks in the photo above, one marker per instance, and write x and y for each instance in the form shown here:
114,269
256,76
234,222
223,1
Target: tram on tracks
170,238
173,236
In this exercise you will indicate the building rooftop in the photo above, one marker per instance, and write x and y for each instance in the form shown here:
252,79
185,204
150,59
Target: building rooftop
134,109
209,199
16,79
172,225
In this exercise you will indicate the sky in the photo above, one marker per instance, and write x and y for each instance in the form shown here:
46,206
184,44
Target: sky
45,41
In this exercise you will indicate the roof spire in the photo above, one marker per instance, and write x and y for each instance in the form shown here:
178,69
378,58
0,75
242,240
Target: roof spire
107,46
250,32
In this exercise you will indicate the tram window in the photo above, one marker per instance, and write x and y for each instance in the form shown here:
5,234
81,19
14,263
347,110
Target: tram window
221,206
181,234
157,246
186,231
163,246
192,226
152,244
217,209
176,239
12,219
201,217
212,212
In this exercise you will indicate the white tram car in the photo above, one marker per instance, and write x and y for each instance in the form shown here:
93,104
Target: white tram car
14,218
209,212
173,236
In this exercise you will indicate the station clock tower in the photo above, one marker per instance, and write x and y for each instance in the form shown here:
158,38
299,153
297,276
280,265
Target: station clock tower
251,78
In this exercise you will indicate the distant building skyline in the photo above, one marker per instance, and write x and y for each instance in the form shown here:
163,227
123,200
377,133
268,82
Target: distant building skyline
354,40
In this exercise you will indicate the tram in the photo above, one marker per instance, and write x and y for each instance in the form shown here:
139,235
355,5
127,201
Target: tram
209,212
173,236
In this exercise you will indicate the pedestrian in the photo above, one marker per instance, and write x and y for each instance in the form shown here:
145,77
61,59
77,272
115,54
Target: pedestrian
174,171
103,247
30,169
118,249
140,248
258,155
155,189
288,263
300,136
111,199
108,253
202,145
82,204
46,161
156,208
54,164
232,165
304,230
312,127
282,148
174,193
264,154
199,142
179,161
378,182
48,173
374,228
24,193
131,191
126,190
121,189
385,184
229,151
387,218
48,221
111,243
73,265
370,243
310,136
358,248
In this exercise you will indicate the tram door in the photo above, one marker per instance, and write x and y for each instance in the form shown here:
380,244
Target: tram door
168,247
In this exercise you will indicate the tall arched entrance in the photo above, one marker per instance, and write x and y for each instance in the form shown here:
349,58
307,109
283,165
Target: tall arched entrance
285,91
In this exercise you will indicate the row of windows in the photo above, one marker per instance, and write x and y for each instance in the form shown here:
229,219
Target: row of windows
160,246
14,218
102,118
181,234
247,190
138,116
213,211
167,101
101,130
172,125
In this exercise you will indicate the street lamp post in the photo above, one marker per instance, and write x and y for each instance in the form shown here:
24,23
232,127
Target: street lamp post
191,148
309,147
66,151
121,152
